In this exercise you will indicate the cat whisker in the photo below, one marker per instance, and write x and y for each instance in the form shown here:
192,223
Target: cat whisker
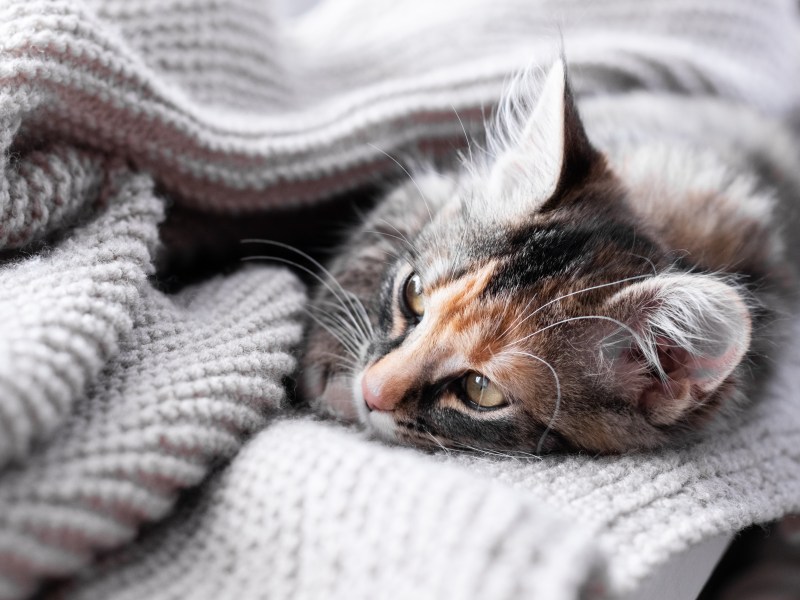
466,135
362,312
459,249
345,367
340,321
515,455
518,323
345,364
557,407
344,341
362,322
411,247
647,260
341,335
646,344
438,443
399,164
310,272
468,221
581,318
414,181
345,360
342,324
345,294
389,235
344,309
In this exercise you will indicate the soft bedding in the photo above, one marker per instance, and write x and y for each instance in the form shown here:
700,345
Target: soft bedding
146,449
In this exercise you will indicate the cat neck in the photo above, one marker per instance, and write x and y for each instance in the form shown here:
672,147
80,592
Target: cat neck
701,173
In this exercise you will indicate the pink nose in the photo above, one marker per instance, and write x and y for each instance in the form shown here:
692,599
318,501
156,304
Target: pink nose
375,400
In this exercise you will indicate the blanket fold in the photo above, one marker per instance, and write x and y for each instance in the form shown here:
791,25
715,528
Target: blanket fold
352,520
65,312
115,397
104,419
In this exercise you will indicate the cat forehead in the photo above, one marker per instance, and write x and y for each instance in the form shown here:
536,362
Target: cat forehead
541,250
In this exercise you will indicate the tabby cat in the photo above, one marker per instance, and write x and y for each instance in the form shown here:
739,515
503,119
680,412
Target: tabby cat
599,282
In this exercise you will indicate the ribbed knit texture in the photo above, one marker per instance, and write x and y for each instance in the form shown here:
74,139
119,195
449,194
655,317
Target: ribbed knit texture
309,510
115,397
350,519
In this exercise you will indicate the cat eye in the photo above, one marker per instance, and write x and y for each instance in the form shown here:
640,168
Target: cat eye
412,295
482,392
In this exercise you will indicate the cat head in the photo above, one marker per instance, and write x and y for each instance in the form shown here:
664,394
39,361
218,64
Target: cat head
530,309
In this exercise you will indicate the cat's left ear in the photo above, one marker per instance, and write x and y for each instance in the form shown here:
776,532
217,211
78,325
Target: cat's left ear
553,151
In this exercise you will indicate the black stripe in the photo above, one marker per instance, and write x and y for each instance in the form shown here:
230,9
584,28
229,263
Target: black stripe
534,253
458,426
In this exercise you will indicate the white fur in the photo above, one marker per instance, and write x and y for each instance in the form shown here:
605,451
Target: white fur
529,145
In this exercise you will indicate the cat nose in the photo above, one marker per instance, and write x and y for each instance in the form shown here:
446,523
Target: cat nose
375,393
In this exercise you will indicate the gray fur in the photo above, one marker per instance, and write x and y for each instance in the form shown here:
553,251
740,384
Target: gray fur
668,157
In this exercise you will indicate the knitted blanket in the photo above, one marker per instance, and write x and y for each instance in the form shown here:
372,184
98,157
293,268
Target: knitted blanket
144,447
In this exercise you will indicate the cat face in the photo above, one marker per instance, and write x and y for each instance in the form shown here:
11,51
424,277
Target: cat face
524,308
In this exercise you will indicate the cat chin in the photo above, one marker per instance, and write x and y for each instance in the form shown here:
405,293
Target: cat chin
382,425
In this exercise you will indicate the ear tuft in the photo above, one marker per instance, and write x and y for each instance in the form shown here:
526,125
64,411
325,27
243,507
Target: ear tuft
692,331
535,161
549,147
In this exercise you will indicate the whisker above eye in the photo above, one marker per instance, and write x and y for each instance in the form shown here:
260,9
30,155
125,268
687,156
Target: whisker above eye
309,271
399,164
361,320
645,259
466,135
518,323
347,294
557,407
385,234
422,195
646,344
344,341
415,253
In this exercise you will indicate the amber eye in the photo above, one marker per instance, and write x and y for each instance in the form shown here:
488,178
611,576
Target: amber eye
482,392
412,295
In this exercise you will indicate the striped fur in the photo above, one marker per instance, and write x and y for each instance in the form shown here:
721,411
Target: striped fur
616,290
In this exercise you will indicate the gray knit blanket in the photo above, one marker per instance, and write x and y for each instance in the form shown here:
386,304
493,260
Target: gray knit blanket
145,450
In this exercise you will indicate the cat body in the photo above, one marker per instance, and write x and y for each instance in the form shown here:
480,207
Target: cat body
598,282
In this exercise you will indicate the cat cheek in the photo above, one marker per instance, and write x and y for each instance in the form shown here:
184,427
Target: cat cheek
334,396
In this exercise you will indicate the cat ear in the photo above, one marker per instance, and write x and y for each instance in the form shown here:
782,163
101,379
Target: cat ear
553,149
687,335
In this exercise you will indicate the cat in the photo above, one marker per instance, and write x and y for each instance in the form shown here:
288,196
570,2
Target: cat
600,282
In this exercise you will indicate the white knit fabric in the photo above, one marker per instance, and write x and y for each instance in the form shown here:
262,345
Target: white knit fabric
114,397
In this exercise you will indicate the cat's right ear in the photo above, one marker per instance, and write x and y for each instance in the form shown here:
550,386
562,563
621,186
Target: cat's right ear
552,152
686,333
